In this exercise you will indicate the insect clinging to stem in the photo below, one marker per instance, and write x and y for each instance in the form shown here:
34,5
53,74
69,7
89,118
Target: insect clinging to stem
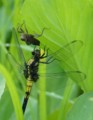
27,37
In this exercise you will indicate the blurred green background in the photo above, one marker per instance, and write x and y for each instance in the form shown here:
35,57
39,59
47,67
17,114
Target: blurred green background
66,21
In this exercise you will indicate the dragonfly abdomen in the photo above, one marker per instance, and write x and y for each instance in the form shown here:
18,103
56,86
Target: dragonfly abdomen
28,90
33,68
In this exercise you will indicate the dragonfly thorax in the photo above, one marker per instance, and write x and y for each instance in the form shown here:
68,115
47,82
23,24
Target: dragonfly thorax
36,55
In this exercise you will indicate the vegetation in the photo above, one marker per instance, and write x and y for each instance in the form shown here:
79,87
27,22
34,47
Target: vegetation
70,98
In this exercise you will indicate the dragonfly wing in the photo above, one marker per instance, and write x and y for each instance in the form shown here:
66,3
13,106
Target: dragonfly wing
14,62
56,81
18,48
67,74
67,51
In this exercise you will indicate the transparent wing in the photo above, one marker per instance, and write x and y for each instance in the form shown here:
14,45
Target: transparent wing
14,62
57,81
18,48
55,77
65,56
16,70
60,74
65,52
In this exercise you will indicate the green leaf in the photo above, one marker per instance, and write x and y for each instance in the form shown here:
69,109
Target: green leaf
2,85
13,92
66,21
82,108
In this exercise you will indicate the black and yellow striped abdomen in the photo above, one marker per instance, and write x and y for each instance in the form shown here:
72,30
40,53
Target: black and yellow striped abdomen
31,74
27,93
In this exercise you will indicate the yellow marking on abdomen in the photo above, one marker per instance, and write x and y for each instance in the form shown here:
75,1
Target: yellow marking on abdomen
30,61
29,85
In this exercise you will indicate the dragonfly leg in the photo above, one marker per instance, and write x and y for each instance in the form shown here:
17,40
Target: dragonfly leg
25,27
39,35
51,59
48,62
43,55
19,29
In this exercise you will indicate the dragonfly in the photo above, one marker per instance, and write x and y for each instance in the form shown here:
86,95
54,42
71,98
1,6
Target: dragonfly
31,67
29,38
